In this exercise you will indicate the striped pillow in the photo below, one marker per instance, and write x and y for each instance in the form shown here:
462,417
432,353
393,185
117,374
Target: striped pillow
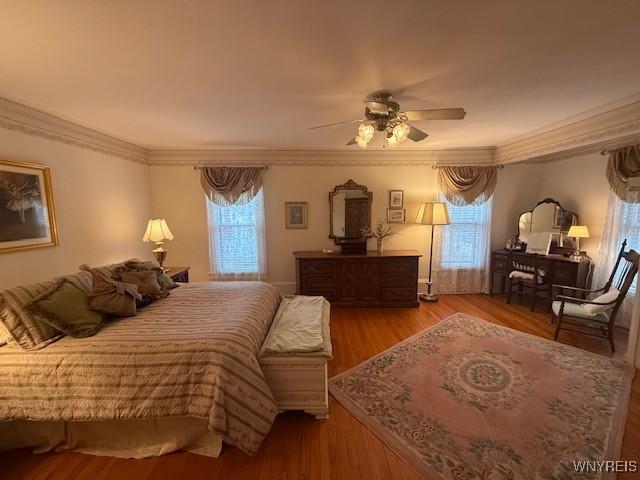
29,331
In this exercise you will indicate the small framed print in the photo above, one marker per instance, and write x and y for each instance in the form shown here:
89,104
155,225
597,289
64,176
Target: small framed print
395,215
27,217
296,214
396,199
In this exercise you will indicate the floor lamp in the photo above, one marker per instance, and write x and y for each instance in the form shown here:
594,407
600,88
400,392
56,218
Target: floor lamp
431,213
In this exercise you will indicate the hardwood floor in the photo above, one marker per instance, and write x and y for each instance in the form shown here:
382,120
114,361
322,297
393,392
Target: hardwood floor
299,447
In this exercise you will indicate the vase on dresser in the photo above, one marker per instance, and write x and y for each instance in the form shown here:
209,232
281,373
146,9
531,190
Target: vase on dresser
380,245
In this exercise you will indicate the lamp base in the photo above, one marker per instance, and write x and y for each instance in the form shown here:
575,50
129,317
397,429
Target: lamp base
428,297
161,255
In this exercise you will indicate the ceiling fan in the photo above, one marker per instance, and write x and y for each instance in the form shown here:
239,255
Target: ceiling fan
381,113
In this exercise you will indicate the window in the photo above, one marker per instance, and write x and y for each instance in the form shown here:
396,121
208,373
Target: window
236,240
630,229
465,243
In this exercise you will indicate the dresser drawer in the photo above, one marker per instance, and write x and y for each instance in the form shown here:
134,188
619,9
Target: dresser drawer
399,265
318,268
500,262
399,294
399,279
318,281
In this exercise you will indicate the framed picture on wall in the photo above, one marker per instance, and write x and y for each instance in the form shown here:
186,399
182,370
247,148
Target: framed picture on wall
396,199
296,214
27,217
395,215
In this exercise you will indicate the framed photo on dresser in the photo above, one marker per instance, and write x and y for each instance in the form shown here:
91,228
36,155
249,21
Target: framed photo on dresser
27,217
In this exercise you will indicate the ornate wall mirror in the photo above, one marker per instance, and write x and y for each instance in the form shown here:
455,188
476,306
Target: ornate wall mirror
349,213
547,216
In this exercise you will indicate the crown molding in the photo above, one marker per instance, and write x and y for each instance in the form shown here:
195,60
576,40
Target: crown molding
29,121
588,132
616,127
377,158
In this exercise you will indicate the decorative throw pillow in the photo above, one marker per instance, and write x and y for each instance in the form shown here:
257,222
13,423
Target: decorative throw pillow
66,308
110,296
147,281
26,329
610,296
165,282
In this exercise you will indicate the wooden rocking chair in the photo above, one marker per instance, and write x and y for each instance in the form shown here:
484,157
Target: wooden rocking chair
599,314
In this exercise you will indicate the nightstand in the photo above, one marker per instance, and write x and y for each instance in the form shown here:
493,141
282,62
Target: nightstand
178,274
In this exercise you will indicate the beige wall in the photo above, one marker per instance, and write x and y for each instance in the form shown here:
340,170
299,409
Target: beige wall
177,196
102,205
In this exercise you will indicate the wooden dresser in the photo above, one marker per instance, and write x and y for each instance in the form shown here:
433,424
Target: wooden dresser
360,280
572,272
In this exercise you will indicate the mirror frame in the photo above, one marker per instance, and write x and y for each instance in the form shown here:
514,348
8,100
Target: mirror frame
348,185
554,249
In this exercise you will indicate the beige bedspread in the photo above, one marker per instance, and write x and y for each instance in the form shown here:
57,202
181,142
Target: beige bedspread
190,354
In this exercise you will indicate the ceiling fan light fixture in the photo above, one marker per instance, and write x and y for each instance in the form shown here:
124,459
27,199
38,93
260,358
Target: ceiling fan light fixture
366,131
392,141
362,143
401,131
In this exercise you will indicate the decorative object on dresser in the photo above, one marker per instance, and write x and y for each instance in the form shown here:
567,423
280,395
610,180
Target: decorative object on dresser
598,315
178,274
432,213
296,214
578,232
360,280
27,216
379,233
349,214
547,216
157,232
574,272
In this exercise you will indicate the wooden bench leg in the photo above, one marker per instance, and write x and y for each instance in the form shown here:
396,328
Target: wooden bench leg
319,413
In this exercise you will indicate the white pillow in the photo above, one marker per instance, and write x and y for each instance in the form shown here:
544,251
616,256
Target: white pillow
604,298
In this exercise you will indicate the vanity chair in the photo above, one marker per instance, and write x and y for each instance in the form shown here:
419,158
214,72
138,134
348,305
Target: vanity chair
530,271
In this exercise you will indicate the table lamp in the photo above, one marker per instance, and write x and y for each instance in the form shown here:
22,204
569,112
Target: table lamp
432,213
578,232
157,232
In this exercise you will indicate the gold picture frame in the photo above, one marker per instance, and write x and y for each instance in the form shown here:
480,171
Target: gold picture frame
296,214
27,212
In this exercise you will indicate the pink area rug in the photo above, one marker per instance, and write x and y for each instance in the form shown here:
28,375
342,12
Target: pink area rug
467,399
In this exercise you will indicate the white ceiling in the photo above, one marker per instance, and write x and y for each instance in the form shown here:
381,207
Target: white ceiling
251,74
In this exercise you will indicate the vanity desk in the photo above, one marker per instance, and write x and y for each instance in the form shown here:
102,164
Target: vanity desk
569,271
360,280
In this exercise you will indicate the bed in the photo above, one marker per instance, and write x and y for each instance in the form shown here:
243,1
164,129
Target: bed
187,362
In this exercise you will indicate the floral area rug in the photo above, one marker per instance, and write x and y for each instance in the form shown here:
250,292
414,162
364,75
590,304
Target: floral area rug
467,399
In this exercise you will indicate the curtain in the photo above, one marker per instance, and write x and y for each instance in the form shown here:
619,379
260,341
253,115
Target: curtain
461,250
231,185
237,240
622,222
623,164
467,185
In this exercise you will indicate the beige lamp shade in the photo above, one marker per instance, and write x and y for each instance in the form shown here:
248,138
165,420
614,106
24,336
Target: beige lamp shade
578,231
433,213
157,231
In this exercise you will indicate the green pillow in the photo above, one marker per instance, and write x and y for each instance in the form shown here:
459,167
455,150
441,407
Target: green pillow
66,308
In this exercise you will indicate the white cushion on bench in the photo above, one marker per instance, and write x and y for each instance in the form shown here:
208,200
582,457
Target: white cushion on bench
300,326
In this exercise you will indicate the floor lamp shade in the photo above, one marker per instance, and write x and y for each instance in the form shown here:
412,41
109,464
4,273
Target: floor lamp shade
432,213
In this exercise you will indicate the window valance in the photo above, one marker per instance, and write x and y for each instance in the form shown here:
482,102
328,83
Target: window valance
624,163
231,185
467,185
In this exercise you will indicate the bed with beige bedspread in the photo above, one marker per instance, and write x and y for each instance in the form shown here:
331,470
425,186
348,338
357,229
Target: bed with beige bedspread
192,354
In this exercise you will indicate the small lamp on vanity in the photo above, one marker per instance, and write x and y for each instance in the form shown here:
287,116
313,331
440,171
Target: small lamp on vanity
432,213
578,232
157,232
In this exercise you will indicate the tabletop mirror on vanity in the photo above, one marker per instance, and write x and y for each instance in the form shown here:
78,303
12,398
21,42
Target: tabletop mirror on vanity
548,216
349,214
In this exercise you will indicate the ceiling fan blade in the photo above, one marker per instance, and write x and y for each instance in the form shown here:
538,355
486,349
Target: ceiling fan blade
415,134
436,114
336,123
378,108
352,141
